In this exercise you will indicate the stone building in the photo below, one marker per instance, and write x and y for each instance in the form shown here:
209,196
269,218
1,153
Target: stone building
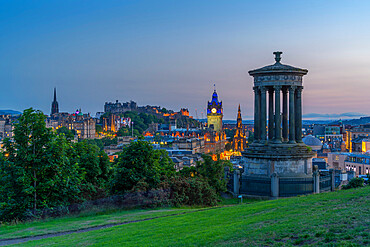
278,156
118,107
82,124
6,126
214,113
362,131
214,136
240,139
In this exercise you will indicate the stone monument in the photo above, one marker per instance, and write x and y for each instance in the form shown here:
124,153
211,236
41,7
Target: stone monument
278,150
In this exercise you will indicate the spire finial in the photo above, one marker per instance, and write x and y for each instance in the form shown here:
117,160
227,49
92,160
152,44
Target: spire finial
214,87
55,94
277,56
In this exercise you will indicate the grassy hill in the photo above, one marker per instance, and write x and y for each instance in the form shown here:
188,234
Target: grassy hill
329,219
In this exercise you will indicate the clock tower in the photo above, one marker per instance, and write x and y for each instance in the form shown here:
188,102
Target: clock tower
215,113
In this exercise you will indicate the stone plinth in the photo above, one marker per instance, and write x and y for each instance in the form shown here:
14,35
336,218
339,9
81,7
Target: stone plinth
286,160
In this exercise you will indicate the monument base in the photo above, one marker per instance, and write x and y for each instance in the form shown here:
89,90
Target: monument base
277,170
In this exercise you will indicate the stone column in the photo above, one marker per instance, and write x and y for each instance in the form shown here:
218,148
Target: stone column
274,185
236,182
285,114
316,180
271,114
263,115
298,115
291,114
277,115
256,114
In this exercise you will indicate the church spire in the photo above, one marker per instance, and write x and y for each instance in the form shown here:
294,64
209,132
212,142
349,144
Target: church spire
54,104
239,113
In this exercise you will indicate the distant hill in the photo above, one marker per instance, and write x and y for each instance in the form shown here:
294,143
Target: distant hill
9,112
362,120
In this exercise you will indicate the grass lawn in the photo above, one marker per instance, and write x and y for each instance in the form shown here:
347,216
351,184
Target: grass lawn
79,222
329,219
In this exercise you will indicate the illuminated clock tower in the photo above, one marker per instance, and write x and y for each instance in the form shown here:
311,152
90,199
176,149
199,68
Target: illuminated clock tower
215,113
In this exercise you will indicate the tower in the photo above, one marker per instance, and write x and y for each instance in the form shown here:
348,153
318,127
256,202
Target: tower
54,104
215,113
240,140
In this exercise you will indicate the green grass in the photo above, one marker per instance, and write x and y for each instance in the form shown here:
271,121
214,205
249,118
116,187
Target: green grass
330,219
83,221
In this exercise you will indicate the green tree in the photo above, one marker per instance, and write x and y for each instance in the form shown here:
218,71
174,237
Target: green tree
94,168
35,171
69,134
139,162
214,171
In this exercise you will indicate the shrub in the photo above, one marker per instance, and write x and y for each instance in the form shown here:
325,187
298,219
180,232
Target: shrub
354,183
190,191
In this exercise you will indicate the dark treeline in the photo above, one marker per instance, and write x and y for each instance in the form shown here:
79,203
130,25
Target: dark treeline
41,169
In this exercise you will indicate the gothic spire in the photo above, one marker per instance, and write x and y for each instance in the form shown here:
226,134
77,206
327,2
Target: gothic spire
239,113
55,94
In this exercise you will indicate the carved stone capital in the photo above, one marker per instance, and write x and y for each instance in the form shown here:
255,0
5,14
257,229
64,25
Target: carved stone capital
263,89
292,89
277,88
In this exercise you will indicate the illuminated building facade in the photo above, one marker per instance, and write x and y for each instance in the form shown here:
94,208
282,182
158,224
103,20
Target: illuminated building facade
359,132
214,137
215,113
82,124
240,139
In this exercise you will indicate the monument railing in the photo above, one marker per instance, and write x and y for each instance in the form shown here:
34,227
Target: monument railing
295,186
260,186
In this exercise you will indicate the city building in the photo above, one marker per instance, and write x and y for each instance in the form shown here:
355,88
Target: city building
214,136
355,132
82,124
214,113
240,139
6,126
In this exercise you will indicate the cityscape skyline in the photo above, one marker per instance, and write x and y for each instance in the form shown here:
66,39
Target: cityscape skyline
171,54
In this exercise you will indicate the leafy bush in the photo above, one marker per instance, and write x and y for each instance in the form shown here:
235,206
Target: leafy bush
190,191
354,183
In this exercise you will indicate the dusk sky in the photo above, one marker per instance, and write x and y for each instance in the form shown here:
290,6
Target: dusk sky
170,53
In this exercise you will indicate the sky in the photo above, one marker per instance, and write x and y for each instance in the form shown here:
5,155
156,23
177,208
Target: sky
170,53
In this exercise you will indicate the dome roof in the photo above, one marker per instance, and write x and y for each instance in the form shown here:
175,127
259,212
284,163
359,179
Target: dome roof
278,68
313,142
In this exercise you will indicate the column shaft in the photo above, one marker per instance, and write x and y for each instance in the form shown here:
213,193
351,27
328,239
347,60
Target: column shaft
298,115
271,114
285,114
277,115
263,115
256,114
291,115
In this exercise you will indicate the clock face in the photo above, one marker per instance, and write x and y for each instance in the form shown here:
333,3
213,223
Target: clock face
214,110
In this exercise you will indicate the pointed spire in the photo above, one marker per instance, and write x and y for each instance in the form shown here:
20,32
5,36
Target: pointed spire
55,94
239,113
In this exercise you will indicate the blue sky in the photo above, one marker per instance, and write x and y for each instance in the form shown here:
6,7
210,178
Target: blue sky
170,53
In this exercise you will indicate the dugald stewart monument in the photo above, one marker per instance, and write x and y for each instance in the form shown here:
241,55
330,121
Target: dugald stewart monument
278,163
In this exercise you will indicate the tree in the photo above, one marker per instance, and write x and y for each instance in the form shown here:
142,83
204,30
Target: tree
35,171
94,167
139,162
214,172
69,134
